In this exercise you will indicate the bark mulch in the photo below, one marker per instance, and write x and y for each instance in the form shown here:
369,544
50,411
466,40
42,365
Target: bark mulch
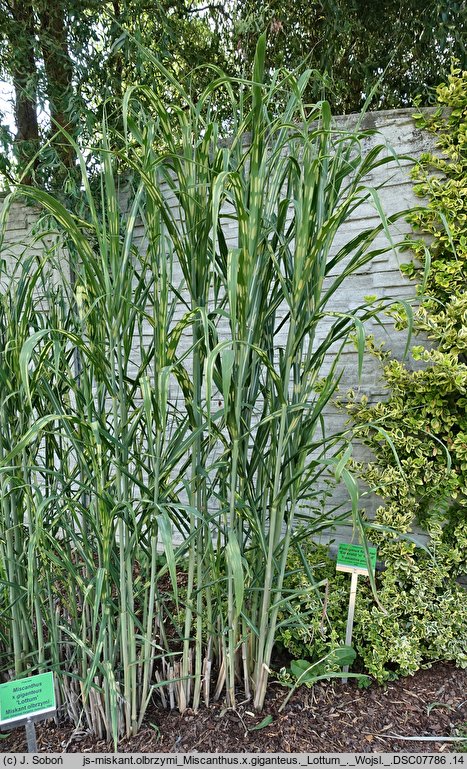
330,718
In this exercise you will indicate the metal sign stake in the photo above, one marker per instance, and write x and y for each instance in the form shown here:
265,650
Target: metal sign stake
31,736
354,560
350,615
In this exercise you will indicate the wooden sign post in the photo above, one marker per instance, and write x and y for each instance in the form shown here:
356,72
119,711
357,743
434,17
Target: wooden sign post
352,559
25,701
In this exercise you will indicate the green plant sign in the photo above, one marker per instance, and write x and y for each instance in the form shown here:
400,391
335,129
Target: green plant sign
350,557
28,697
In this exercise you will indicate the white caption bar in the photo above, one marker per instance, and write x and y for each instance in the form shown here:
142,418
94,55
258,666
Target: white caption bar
351,760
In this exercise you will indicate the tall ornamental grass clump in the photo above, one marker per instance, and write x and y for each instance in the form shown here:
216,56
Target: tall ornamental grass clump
157,441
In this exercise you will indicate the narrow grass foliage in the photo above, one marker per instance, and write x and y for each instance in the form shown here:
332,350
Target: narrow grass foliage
160,436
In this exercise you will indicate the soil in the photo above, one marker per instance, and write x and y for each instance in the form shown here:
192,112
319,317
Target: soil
333,717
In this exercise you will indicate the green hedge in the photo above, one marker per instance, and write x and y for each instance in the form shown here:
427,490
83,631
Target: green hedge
425,412
422,614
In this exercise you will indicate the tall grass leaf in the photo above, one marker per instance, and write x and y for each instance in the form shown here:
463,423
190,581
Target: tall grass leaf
227,363
114,697
164,387
384,434
234,559
447,227
342,462
258,75
217,192
352,489
25,358
165,529
265,722
31,435
232,278
426,267
68,221
382,216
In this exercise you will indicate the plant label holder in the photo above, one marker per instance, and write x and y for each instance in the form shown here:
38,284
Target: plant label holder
353,560
25,701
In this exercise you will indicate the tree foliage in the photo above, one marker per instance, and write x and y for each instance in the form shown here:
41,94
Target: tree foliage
36,55
409,43
70,60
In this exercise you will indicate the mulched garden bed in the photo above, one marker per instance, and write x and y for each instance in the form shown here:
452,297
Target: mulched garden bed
331,718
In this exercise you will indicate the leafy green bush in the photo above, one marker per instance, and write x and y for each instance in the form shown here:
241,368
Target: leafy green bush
319,611
421,616
425,413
